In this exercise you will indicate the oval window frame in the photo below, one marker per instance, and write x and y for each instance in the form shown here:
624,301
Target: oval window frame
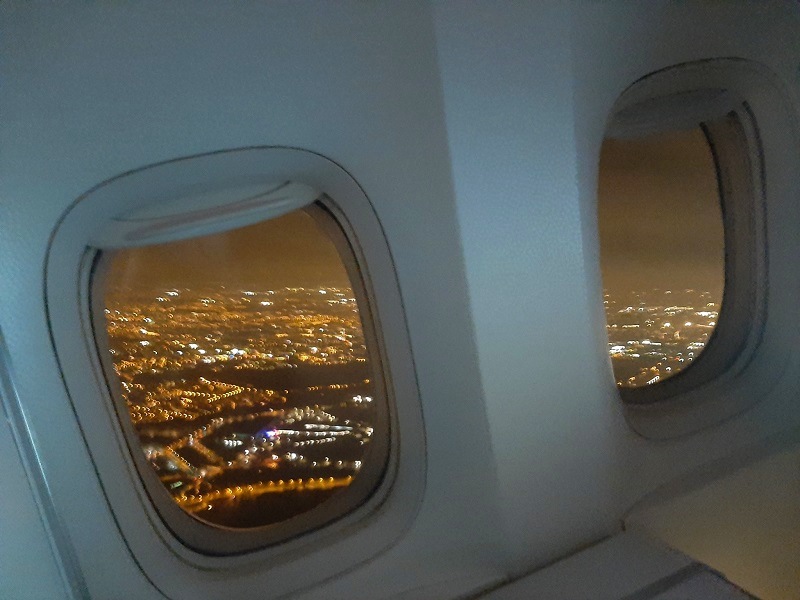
721,382
353,538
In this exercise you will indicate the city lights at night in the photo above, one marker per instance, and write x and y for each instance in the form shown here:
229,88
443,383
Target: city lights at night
252,401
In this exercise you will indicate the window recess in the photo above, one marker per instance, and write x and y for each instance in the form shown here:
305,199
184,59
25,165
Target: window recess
682,243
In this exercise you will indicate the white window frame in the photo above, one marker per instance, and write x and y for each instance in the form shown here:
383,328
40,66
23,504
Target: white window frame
734,101
233,188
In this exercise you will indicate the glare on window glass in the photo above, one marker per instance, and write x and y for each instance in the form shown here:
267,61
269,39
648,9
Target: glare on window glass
662,253
242,360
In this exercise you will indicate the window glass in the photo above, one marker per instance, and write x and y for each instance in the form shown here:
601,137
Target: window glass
244,366
662,253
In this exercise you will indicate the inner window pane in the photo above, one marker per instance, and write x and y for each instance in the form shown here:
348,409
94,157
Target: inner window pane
662,253
244,367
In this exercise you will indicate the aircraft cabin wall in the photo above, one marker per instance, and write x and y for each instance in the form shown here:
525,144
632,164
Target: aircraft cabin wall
532,112
474,131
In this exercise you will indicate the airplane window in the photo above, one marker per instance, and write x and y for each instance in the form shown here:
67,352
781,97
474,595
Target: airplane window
245,365
662,253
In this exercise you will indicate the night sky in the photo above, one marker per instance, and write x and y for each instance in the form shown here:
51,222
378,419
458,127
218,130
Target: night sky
659,214
290,251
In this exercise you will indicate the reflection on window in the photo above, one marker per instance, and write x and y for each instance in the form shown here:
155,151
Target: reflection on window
662,253
243,364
